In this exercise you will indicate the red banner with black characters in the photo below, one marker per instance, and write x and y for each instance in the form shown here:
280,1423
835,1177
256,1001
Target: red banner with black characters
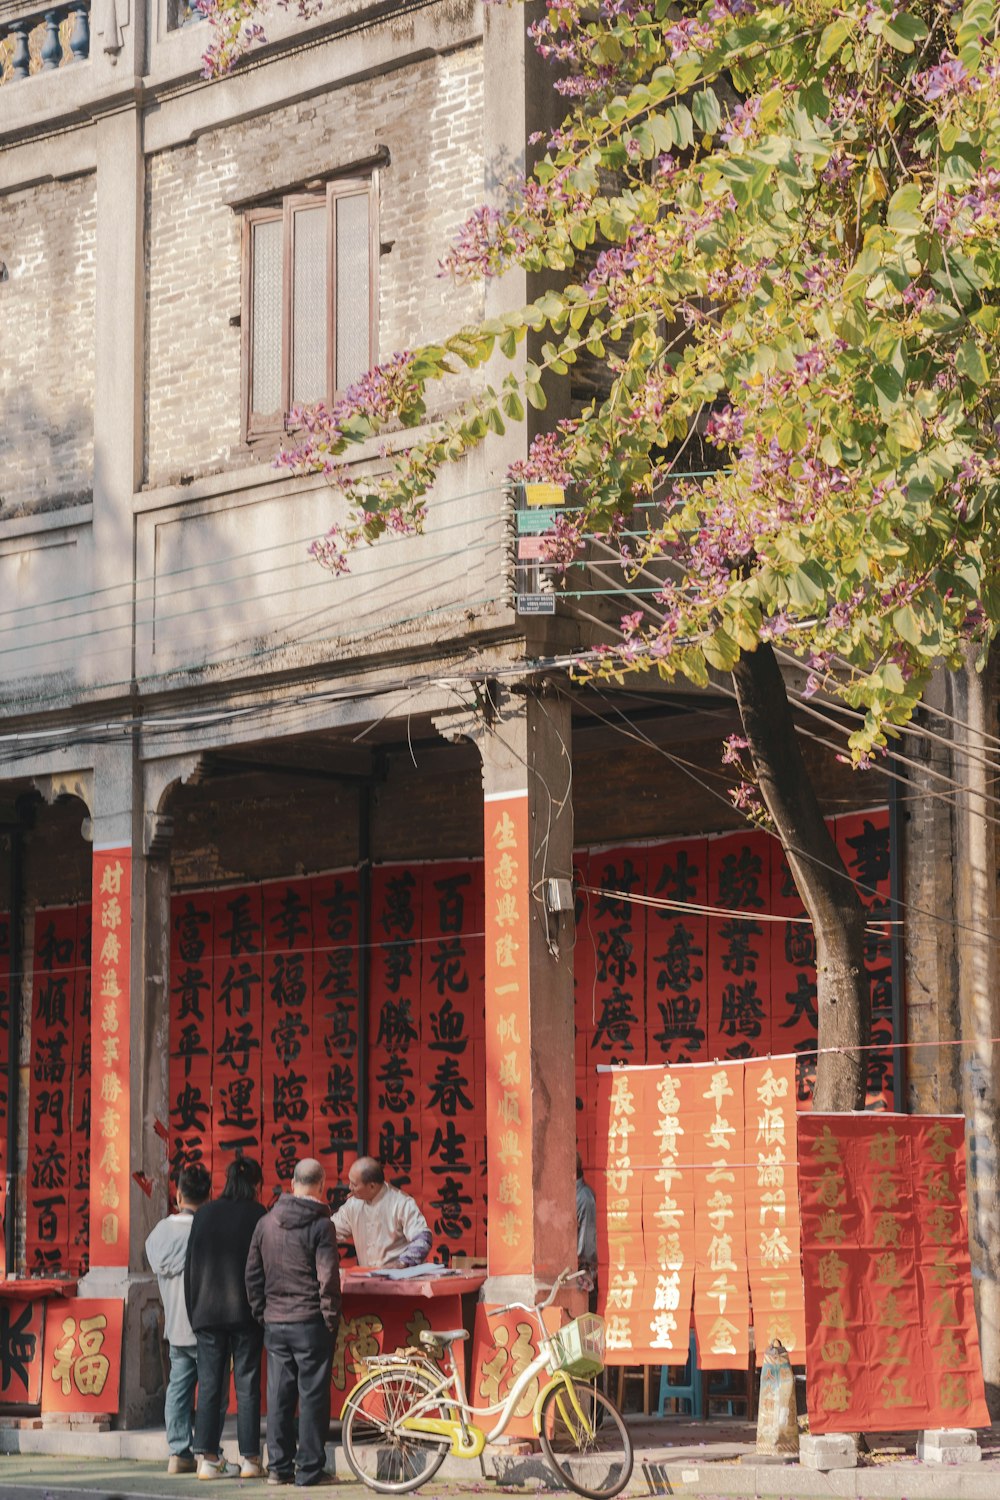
863,841
287,1050
192,938
237,1029
336,908
56,979
5,979
891,1328
394,1129
677,952
739,970
82,1101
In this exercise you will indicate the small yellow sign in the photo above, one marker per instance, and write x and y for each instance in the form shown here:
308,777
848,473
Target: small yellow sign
544,494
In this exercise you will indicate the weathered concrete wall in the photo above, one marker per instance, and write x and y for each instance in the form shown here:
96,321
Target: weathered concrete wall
48,244
429,116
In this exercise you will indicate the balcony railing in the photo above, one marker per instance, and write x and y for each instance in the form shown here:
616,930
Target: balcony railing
42,40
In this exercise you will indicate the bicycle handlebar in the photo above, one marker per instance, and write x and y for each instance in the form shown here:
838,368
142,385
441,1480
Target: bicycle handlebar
561,1280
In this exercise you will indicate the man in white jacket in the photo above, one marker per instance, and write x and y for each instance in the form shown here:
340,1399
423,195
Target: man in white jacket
166,1249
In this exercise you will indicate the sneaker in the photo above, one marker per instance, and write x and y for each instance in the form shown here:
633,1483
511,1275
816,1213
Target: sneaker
251,1468
217,1469
325,1478
181,1463
275,1478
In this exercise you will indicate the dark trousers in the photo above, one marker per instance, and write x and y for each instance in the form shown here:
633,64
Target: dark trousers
299,1361
216,1346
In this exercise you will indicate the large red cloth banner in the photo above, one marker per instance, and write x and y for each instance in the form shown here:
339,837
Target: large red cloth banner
110,1176
892,1342
55,980
772,1207
5,978
507,895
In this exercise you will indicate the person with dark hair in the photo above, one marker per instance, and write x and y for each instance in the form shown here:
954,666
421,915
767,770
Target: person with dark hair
166,1249
224,1326
293,1283
385,1226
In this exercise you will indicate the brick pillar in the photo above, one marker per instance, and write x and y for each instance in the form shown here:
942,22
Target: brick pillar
524,741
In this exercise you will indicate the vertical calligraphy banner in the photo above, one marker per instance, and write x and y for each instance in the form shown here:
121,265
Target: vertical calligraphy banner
793,976
584,1016
110,1059
665,1156
5,979
507,893
191,1031
677,952
721,1290
55,979
625,1137
617,930
863,841
286,1052
394,1133
452,1077
238,1024
336,906
739,959
772,1207
82,1099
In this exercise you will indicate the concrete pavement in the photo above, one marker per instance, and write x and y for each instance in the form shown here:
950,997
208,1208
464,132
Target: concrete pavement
673,1457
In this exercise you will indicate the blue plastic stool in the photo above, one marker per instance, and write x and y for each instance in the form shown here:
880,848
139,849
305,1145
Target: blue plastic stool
687,1389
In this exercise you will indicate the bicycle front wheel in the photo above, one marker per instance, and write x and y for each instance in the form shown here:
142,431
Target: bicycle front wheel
585,1440
383,1455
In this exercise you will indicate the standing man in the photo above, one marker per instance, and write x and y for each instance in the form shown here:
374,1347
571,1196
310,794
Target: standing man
385,1226
293,1284
166,1249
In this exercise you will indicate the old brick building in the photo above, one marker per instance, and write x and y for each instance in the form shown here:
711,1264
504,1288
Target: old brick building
246,739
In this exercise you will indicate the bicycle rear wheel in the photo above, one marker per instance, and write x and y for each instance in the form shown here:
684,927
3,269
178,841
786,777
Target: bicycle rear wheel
382,1454
586,1442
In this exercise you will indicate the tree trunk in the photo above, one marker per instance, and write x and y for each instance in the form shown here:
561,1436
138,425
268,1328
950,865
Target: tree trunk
827,891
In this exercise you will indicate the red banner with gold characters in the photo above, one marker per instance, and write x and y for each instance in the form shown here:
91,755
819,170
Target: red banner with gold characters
772,1207
82,1361
110,1094
721,1289
892,1341
508,1063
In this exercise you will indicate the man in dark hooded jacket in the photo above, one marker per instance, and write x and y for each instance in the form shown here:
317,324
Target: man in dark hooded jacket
293,1284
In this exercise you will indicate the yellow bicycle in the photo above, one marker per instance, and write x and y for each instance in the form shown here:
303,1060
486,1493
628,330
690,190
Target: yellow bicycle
403,1418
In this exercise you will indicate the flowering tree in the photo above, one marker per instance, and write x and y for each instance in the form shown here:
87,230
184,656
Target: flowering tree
775,226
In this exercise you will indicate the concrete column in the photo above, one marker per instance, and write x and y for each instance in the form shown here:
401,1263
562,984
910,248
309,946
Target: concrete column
978,935
118,388
119,823
524,738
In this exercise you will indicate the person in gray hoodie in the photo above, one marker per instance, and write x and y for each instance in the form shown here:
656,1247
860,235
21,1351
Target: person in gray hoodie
293,1286
166,1249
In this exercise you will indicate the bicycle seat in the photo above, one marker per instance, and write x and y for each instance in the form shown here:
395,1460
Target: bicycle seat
430,1336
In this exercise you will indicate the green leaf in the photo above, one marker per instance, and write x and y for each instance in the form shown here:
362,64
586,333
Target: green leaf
971,362
904,31
707,115
906,625
721,651
832,39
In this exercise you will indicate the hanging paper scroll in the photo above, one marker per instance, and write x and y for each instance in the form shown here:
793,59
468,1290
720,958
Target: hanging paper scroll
394,1133
110,1161
721,1294
5,981
509,1144
53,1013
793,976
863,841
772,1207
617,931
237,1027
81,1102
451,1071
622,1119
666,1159
892,1341
336,904
677,949
191,1031
286,1049
739,959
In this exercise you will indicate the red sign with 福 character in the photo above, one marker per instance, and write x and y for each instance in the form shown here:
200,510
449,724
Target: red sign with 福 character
111,953
82,1358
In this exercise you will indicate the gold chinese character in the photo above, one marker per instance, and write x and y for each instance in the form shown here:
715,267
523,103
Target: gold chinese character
939,1186
833,1392
826,1148
109,1017
91,1369
771,1127
887,1232
506,951
667,1294
718,1209
940,1143
882,1147
510,1073
109,1194
887,1272
718,1089
111,879
111,914
832,1269
621,1289
506,873
618,1332
668,1099
622,1097
109,1229
831,1311
509,1146
885,1193
510,1228
507,913
504,832
110,1050
722,1336
831,1226
110,1161
774,1248
894,1392
720,1253
111,949
837,1351
111,1088
951,1351
720,1290
507,1028
889,1313
718,1136
111,1124
955,1391
771,1088
509,1190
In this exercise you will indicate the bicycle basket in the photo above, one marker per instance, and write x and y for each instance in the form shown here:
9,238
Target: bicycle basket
579,1346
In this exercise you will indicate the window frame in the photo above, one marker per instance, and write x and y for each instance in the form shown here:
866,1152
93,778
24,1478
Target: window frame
263,426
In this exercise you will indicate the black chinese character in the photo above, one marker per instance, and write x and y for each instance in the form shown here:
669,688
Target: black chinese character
447,966
17,1346
742,1010
448,1089
190,925
397,911
451,902
679,973
243,933
739,879
291,920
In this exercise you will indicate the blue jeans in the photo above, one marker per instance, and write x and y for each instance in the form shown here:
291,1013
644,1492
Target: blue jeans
217,1347
178,1408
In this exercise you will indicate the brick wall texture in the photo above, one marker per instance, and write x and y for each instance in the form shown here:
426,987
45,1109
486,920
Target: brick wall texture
47,242
430,118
